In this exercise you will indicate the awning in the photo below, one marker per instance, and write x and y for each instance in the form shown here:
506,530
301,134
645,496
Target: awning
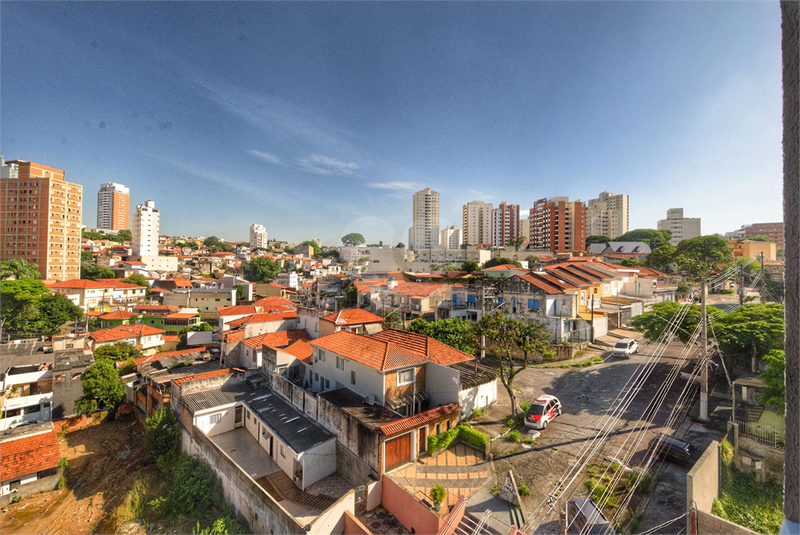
407,399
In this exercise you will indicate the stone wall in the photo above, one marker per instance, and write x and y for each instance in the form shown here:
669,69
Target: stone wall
251,502
764,461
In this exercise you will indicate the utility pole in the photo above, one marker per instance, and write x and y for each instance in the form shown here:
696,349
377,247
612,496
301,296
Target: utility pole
704,353
741,284
763,280
483,311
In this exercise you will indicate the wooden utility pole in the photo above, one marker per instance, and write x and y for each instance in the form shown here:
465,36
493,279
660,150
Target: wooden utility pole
703,353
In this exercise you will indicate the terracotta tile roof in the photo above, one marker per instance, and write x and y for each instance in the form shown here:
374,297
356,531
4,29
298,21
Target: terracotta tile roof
300,349
368,351
177,316
505,267
262,318
433,350
417,420
232,336
157,356
239,310
79,284
95,313
172,338
118,315
119,285
206,375
275,303
545,286
352,316
180,283
124,331
417,289
28,455
277,339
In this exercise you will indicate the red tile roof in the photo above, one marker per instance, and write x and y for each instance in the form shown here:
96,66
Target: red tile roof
206,375
239,310
78,284
157,356
352,316
274,302
277,339
544,285
180,283
366,350
172,338
433,350
124,331
119,285
300,349
28,455
262,318
417,289
505,267
418,420
177,316
118,315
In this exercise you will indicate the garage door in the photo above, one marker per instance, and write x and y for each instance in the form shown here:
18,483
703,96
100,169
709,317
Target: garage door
398,451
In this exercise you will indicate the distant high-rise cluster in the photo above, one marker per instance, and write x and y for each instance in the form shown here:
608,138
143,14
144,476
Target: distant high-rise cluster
145,230
258,236
608,215
40,217
113,207
683,228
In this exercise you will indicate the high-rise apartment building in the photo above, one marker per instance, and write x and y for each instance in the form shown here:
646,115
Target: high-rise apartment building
113,207
450,237
477,223
683,228
258,236
40,218
525,229
608,215
424,233
558,225
505,223
145,230
773,231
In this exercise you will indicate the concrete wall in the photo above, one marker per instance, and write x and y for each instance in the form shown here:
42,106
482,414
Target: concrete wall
319,462
203,420
331,521
772,458
708,524
302,400
702,481
352,526
374,494
28,485
353,434
262,513
442,384
349,465
408,510
477,397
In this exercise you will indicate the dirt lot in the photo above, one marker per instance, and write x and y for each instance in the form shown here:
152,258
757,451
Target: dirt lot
104,460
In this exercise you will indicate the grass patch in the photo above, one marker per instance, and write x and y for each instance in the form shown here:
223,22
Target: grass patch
514,436
523,490
600,494
133,506
585,364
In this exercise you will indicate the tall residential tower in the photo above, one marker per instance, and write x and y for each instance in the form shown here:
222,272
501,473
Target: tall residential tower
505,223
258,236
113,207
558,225
477,223
424,233
40,218
683,228
145,230
607,215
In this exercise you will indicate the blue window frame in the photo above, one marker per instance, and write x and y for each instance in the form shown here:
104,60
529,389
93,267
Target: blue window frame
533,304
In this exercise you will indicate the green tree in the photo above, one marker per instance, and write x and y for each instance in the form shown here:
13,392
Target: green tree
516,242
350,296
392,319
454,332
629,262
354,238
655,322
137,279
469,266
28,307
162,436
18,269
775,392
261,269
94,272
500,261
241,293
102,387
125,234
92,235
662,259
87,257
591,240
117,352
703,255
654,238
314,245
761,238
199,327
400,245
751,331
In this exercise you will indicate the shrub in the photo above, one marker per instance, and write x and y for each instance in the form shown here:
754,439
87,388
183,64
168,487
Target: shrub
514,436
524,406
438,494
442,440
464,432
222,526
195,488
63,463
524,490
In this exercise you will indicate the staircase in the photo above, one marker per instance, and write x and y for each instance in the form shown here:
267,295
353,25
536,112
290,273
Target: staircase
285,489
470,525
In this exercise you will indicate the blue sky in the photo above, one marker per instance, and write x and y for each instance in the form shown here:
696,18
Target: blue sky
318,119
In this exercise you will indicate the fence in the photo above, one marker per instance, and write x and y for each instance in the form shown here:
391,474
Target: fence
764,435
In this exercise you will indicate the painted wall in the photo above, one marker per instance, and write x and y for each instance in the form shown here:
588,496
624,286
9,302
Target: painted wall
409,511
443,384
369,382
477,397
332,521
202,419
318,462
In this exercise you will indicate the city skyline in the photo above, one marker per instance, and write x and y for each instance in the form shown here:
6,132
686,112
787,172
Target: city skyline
354,107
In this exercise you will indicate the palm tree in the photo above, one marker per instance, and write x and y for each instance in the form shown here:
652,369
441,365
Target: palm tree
18,269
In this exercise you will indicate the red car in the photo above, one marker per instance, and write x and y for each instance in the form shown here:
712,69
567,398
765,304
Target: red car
542,410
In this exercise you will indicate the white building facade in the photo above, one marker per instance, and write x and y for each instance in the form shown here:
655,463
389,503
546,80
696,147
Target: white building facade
608,215
424,233
258,236
683,228
145,230
450,237
476,223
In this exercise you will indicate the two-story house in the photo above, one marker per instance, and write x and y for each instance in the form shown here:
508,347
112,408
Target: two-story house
143,337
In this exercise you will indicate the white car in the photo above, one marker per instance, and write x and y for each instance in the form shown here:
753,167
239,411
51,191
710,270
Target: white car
625,348
542,410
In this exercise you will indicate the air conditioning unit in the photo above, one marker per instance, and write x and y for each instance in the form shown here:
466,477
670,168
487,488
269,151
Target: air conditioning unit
370,400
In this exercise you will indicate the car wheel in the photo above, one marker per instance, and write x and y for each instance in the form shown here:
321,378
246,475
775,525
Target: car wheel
559,412
544,424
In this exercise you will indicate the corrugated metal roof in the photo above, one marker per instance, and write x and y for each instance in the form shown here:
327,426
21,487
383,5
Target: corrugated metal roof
217,397
299,432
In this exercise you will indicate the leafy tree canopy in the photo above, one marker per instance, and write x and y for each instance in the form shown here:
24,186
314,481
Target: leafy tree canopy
137,279
117,352
314,245
215,245
629,262
86,256
125,234
241,293
162,435
656,321
400,245
94,272
500,261
662,259
654,238
28,307
354,238
775,392
18,269
102,387
454,332
261,269
703,255
751,330
597,239
516,242
469,266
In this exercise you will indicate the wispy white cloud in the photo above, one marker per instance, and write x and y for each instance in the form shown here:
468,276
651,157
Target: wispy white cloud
393,185
325,165
481,196
266,156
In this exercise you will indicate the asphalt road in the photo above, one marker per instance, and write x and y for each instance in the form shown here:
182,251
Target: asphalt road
586,395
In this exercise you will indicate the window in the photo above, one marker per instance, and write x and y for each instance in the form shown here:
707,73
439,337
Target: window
283,450
327,384
321,356
405,377
316,377
352,377
215,418
340,362
533,304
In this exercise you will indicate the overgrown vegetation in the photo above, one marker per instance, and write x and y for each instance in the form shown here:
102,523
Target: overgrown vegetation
63,463
464,432
745,501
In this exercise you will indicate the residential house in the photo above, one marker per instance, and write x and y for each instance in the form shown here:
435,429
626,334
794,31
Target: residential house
28,461
206,300
753,249
91,294
353,319
504,270
171,322
145,338
415,298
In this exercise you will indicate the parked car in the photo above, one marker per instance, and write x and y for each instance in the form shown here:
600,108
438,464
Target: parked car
542,410
625,348
585,518
672,449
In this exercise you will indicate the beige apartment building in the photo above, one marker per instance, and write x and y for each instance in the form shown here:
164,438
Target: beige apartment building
40,218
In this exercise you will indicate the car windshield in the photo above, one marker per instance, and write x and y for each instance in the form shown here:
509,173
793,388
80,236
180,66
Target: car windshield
621,345
537,408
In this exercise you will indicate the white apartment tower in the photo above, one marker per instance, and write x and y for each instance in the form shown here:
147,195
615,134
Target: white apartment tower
113,207
505,223
424,233
450,237
683,228
258,236
607,215
477,223
144,230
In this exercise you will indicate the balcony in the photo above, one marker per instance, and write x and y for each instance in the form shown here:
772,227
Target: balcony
27,401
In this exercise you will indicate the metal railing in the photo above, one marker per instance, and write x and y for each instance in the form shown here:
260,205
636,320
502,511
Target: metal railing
764,435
